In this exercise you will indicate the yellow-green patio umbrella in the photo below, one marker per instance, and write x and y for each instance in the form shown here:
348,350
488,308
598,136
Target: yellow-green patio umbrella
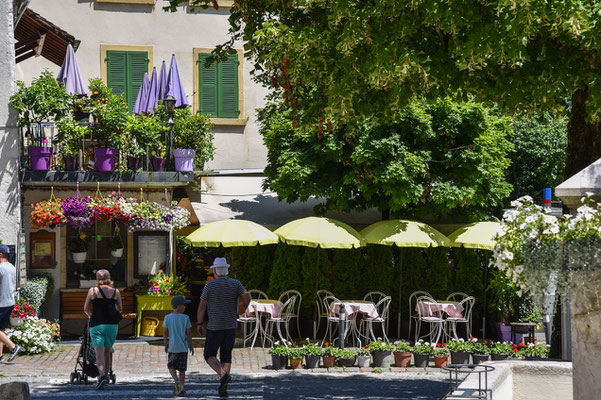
403,233
326,233
231,233
478,235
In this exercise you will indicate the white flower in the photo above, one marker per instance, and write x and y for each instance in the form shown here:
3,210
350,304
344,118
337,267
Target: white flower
533,234
519,269
530,219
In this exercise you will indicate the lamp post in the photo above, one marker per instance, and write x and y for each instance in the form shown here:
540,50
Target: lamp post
169,103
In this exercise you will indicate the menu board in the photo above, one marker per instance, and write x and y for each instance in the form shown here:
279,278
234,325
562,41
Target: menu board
152,254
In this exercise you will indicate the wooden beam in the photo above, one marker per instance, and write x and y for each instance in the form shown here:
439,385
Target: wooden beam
33,47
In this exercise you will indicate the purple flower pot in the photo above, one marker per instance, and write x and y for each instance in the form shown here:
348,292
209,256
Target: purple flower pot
71,163
504,333
158,163
184,159
40,158
133,163
105,159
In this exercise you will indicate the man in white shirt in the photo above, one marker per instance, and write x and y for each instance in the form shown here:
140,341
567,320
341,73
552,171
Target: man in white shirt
8,281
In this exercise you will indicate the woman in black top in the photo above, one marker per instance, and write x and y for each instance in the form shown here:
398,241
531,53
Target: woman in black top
102,331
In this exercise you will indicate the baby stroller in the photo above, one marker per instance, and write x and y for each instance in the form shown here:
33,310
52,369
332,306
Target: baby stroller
85,365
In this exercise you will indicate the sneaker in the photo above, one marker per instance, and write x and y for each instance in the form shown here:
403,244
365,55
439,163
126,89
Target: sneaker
102,382
1,358
14,352
223,391
176,388
225,379
182,393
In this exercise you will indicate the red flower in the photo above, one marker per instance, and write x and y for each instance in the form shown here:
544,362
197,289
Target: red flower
471,337
515,350
444,344
438,344
366,346
521,344
327,344
485,342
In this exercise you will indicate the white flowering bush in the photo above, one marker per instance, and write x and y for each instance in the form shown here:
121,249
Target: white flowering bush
543,254
35,335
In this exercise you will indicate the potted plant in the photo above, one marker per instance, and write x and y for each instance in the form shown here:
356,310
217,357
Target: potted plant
479,352
87,276
421,353
47,213
533,351
328,355
78,246
110,117
145,132
312,354
70,135
295,356
116,244
42,101
459,350
192,140
363,356
279,355
381,352
345,357
441,356
501,351
402,355
161,284
20,312
82,106
78,211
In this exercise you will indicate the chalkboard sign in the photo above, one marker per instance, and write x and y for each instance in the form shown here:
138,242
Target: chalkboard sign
151,253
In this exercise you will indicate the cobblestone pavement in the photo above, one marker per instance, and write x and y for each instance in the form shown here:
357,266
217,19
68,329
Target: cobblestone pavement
140,368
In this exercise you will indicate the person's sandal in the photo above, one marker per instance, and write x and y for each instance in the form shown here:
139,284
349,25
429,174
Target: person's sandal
176,388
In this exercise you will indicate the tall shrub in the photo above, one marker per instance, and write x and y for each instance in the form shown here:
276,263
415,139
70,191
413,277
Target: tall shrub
256,268
346,266
286,272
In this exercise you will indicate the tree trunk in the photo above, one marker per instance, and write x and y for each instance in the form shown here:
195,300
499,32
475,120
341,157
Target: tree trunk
584,137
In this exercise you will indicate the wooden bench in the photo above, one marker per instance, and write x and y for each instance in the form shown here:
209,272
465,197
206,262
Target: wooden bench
72,305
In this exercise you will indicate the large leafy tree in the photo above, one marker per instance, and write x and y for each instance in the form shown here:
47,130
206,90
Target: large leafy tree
371,58
432,159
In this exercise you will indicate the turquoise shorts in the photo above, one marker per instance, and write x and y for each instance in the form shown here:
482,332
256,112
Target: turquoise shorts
104,335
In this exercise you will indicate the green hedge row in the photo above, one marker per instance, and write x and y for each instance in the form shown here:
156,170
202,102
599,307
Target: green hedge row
350,274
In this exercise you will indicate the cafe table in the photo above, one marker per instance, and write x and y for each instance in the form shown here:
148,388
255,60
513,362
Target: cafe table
263,309
355,310
429,309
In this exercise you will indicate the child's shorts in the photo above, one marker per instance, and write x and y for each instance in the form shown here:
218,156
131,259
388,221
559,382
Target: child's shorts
178,361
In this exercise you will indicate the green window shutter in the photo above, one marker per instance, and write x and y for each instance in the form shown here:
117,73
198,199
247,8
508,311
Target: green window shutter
228,87
207,91
116,74
137,65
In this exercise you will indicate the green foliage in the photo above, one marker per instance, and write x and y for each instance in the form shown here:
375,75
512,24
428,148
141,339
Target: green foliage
344,353
34,291
378,273
194,131
402,347
426,269
502,348
43,100
257,267
347,265
110,116
459,345
381,345
116,242
479,348
70,135
421,347
540,156
145,132
431,158
280,349
440,352
534,350
286,272
311,349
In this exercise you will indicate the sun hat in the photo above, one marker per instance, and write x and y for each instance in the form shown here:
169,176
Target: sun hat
220,262
179,299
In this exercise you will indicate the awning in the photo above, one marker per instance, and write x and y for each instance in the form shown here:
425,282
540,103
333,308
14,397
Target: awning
37,36
241,197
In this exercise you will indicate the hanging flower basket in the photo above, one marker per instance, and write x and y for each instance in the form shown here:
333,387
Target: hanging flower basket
47,213
78,212
79,257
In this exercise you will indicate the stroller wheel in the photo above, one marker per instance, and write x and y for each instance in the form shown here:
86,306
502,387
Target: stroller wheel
73,377
79,378
85,379
113,378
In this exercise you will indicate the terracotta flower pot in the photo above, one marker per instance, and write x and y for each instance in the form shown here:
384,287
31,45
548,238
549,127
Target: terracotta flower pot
296,363
440,361
328,361
402,359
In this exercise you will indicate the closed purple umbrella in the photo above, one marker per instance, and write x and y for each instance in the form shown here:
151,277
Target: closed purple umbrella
69,74
151,100
162,82
142,96
174,85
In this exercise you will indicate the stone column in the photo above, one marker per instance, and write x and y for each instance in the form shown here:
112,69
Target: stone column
10,197
586,335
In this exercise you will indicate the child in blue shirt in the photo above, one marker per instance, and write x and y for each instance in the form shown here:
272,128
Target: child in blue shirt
177,339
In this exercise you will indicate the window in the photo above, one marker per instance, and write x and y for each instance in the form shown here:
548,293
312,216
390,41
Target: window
152,253
219,87
151,2
123,69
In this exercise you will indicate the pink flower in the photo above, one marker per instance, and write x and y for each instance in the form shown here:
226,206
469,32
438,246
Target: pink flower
169,291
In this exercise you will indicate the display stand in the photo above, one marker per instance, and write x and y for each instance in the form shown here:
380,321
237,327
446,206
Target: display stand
151,303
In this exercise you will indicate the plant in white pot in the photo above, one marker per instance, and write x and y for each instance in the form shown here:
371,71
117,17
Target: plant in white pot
78,246
116,244
87,276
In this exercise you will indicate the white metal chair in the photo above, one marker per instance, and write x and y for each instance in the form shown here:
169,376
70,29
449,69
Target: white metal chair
334,320
295,311
413,316
246,322
257,294
430,313
283,318
320,311
467,304
383,306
